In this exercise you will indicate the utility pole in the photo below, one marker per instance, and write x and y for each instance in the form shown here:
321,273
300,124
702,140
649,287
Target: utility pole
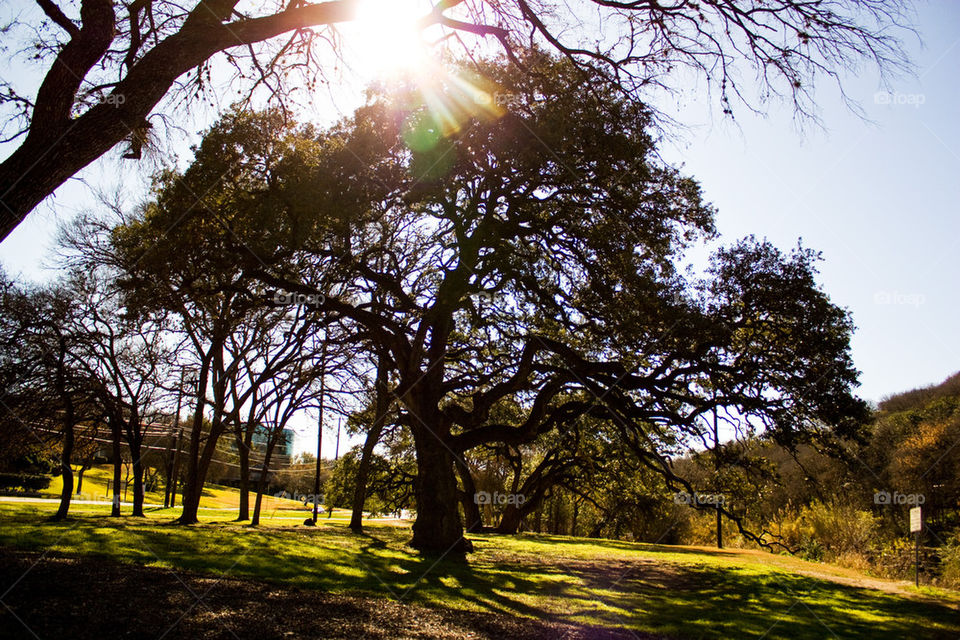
336,456
194,380
716,464
176,427
336,451
316,479
176,469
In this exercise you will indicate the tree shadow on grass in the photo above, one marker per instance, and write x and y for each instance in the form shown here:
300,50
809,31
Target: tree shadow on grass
568,585
632,547
703,601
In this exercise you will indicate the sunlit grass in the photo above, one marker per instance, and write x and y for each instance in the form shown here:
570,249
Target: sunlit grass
656,588
95,483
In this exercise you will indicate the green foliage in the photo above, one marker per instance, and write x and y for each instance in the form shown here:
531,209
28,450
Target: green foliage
950,562
834,528
39,460
389,484
24,481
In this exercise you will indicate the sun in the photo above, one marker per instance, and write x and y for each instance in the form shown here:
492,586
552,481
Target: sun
386,39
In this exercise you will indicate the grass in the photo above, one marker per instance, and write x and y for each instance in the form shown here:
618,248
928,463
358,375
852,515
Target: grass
674,591
214,496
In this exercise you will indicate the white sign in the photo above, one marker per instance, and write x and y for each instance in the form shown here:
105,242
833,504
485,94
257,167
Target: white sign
916,521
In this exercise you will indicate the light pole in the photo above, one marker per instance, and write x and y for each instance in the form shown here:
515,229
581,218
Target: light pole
316,479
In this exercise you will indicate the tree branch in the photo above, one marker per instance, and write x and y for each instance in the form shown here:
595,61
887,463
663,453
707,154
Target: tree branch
54,13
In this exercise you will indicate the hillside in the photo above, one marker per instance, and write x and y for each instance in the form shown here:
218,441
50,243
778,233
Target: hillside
921,396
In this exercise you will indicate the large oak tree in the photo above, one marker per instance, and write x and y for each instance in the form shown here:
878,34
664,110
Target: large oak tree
515,271
532,262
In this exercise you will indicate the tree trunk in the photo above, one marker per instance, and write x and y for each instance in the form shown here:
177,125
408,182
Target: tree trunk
117,463
555,529
510,520
69,420
255,521
190,504
244,452
134,445
471,510
65,469
80,478
513,515
262,483
244,446
194,491
534,498
438,529
381,406
168,470
175,475
193,483
199,461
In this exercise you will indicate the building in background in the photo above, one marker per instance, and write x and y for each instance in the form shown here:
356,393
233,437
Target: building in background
279,459
283,449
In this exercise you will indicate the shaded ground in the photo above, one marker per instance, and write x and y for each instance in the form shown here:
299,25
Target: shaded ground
94,598
523,586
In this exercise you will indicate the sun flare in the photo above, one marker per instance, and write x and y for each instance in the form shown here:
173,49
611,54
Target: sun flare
386,37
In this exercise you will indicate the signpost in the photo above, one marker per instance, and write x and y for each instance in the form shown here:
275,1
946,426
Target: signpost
916,526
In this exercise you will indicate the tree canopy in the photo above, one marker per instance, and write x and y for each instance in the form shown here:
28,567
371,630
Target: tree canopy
114,69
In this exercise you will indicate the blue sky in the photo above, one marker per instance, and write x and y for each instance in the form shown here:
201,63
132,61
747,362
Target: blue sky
879,197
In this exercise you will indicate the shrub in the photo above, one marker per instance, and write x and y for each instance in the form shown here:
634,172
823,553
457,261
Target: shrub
895,558
950,562
842,528
827,530
23,482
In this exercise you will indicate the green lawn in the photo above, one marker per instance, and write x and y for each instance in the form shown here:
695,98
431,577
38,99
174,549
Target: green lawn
214,497
676,591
